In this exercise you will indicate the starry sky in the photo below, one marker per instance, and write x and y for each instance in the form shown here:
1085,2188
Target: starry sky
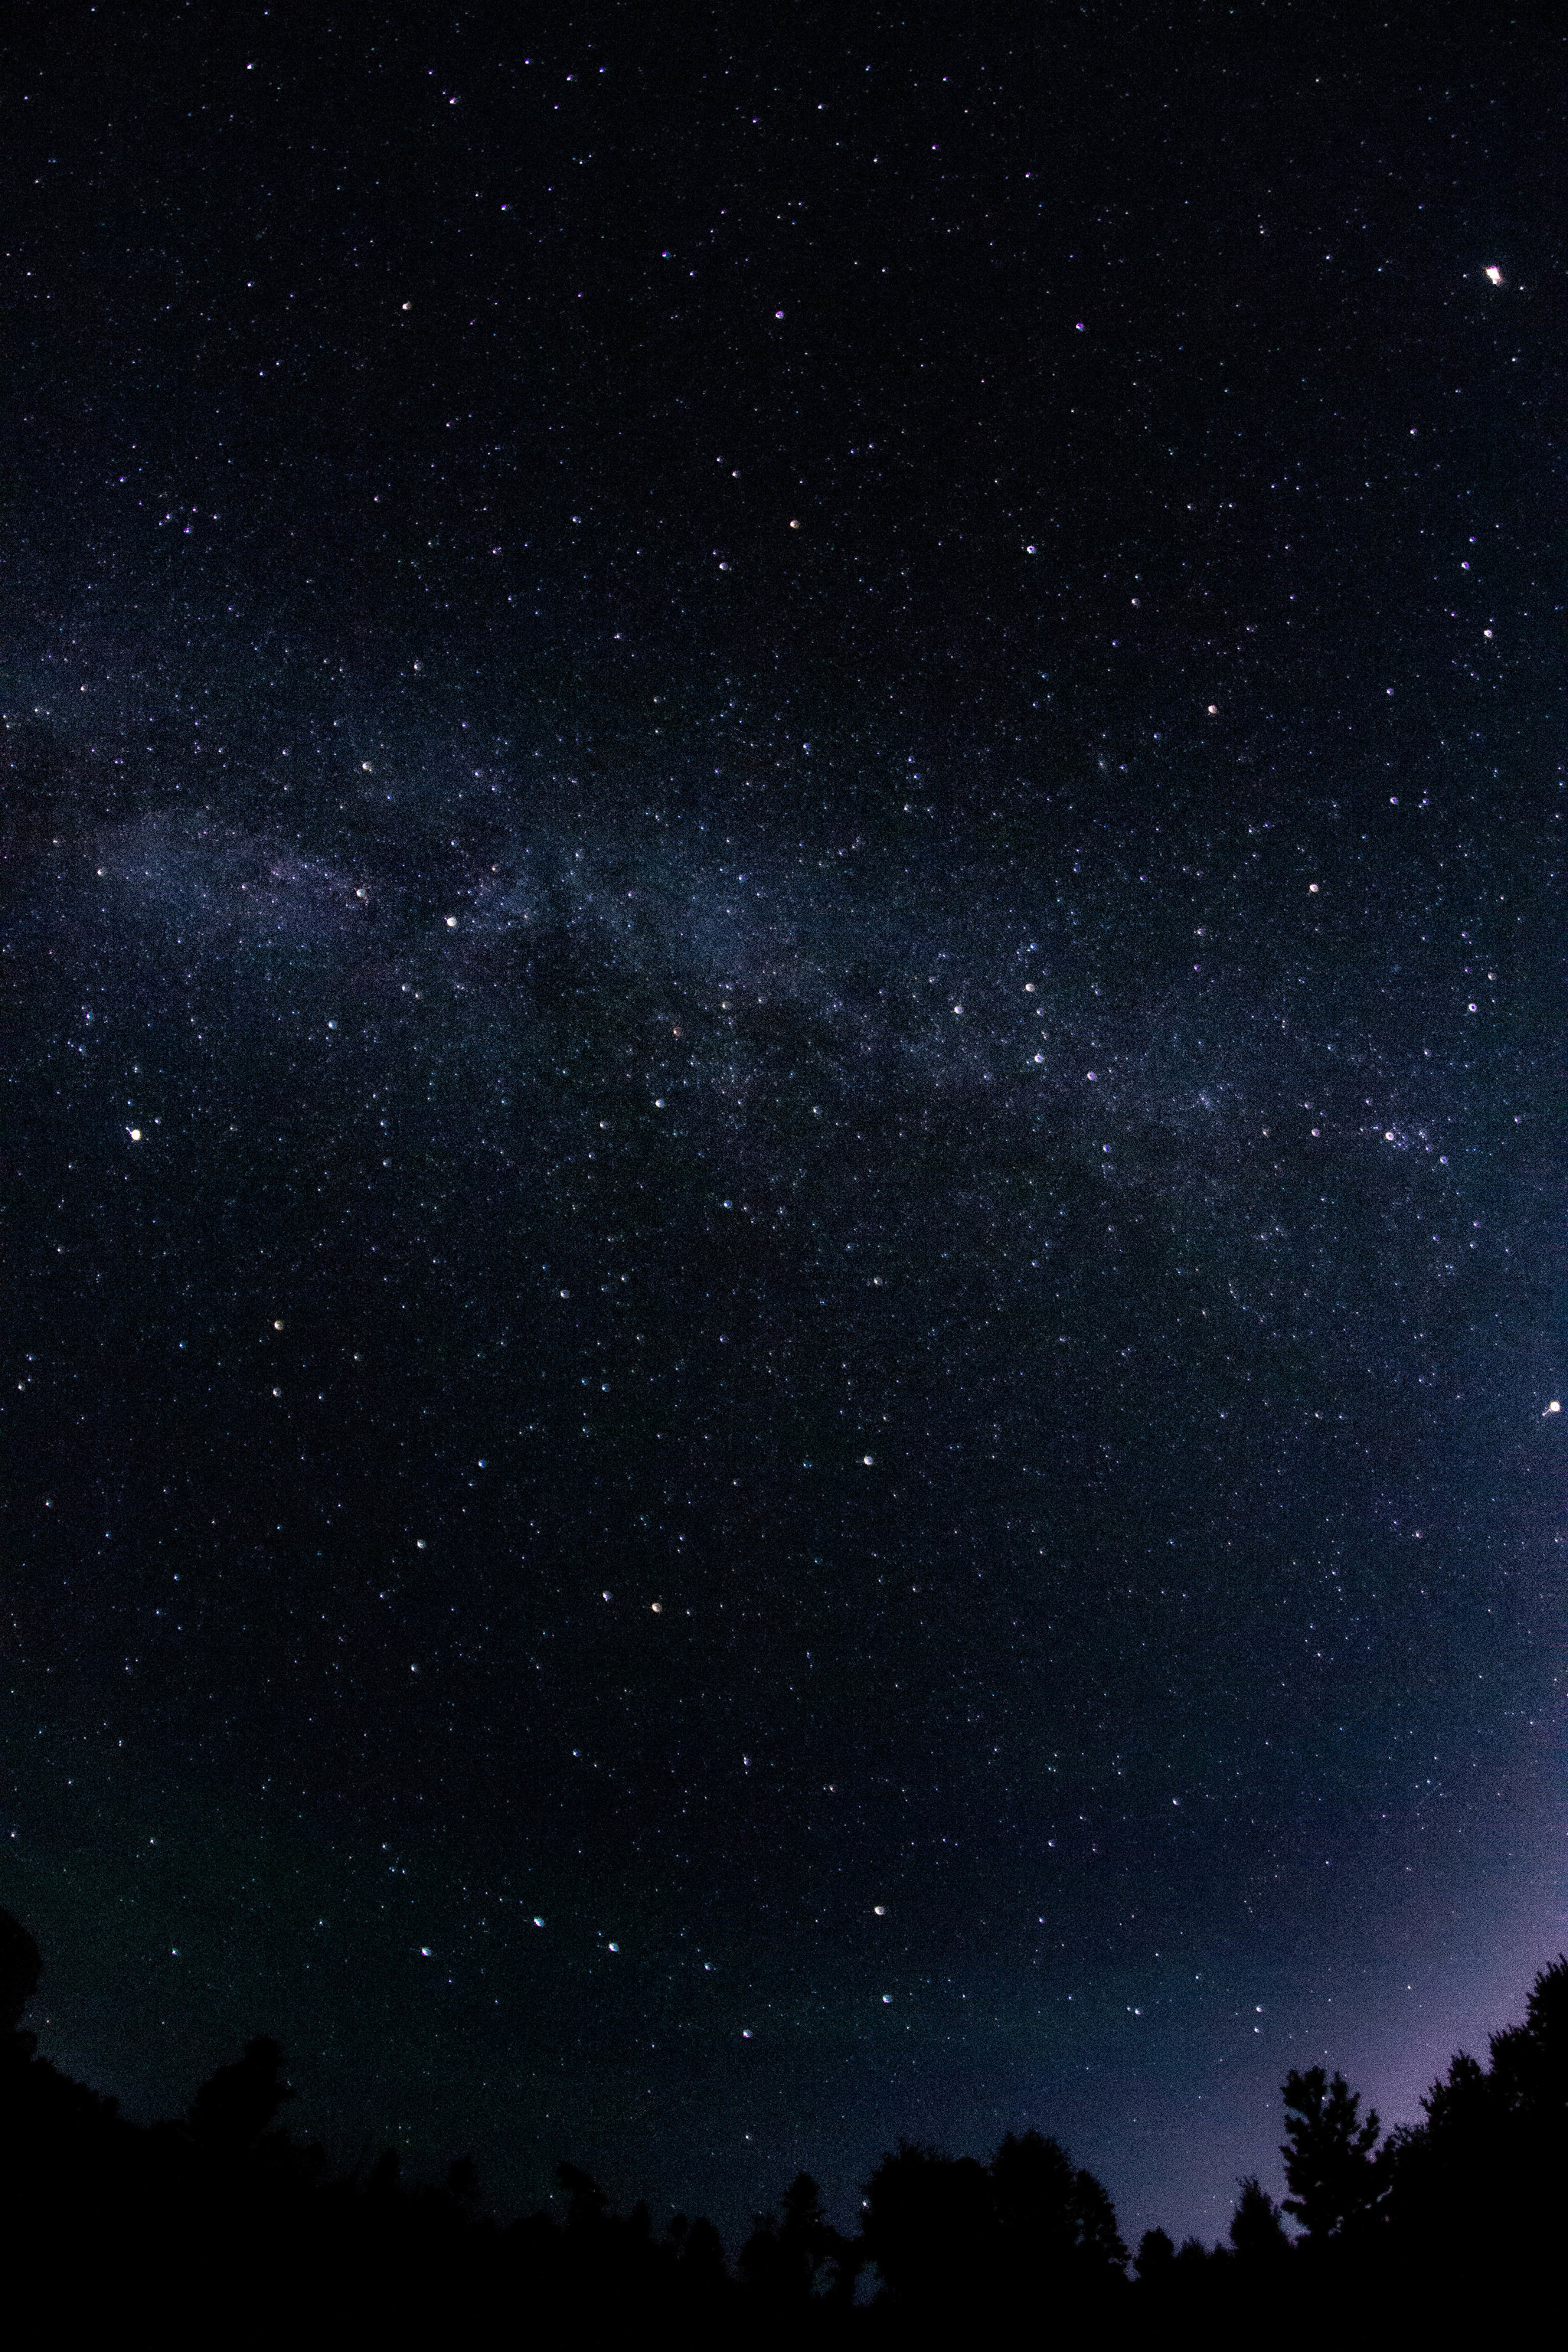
782,813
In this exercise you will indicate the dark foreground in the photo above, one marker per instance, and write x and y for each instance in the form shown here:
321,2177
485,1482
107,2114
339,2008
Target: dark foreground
221,2222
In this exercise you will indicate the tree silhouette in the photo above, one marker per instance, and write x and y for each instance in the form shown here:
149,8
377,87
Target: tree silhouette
239,2103
223,2216
1530,2061
1485,2176
798,2258
699,2255
1464,2102
1154,2258
588,2208
1025,2232
1054,2225
463,2183
1102,2257
1257,2231
927,2224
1033,2191
1328,2155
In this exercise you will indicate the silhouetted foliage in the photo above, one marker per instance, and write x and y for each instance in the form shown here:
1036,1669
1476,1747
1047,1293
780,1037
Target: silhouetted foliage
1256,2232
463,2183
1530,2061
927,2224
1334,2182
1482,2182
1154,2258
1056,2227
589,2205
699,2253
799,2258
1258,2235
232,2110
1026,2230
223,2221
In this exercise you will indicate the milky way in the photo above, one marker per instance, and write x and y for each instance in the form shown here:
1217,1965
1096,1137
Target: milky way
1025,1307
781,840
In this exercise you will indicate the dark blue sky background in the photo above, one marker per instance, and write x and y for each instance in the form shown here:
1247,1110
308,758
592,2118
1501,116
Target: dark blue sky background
782,1146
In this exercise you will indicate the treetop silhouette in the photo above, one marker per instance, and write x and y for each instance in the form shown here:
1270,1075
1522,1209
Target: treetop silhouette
1256,2232
1329,2165
1468,2202
239,2103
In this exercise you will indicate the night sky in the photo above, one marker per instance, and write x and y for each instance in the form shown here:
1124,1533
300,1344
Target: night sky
783,828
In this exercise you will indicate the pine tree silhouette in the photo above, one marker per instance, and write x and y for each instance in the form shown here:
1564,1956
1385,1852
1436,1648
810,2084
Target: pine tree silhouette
1152,2262
222,2222
239,2103
1328,2155
1485,2178
788,2262
1256,2232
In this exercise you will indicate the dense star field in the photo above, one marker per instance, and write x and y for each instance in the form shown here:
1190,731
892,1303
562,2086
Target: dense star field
783,1165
